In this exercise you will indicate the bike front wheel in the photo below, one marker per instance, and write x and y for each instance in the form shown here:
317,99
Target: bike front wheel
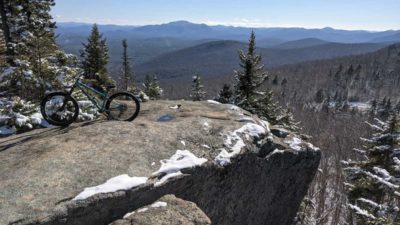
122,106
59,109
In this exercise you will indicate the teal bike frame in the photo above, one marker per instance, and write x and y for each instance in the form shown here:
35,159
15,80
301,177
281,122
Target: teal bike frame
101,106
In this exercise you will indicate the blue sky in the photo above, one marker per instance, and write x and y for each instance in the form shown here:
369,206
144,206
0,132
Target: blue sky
343,14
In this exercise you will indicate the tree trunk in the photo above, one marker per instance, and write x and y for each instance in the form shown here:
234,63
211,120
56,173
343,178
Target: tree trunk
6,32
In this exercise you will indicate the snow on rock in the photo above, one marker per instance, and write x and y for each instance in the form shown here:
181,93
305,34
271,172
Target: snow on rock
167,177
159,204
295,143
234,142
180,160
142,210
121,182
214,102
128,214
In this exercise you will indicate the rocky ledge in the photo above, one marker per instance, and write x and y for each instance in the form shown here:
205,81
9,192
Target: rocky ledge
228,165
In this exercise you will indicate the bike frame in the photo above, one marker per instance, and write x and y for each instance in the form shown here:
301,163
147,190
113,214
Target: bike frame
84,87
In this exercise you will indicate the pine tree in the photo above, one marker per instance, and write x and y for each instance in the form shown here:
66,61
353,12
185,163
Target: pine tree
287,121
373,108
95,57
250,78
225,94
275,80
127,78
197,89
397,107
151,87
319,96
374,182
267,108
31,51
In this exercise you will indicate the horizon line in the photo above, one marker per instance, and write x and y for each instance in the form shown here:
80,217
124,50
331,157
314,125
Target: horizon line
225,25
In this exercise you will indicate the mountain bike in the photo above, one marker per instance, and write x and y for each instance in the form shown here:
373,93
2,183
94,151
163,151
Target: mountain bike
61,109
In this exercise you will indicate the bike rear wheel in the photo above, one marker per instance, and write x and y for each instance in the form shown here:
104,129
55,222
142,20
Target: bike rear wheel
122,106
59,109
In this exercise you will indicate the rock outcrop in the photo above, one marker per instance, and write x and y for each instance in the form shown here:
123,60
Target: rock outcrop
233,166
168,210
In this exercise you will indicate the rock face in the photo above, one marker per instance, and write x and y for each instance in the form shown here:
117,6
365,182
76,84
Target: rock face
235,170
174,211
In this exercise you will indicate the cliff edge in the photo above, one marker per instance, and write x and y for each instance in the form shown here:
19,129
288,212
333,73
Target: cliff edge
236,168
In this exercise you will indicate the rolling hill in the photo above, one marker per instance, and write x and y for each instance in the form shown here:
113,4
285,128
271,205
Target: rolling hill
302,43
221,58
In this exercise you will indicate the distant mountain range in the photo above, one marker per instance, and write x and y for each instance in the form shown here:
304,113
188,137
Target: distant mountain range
179,48
192,31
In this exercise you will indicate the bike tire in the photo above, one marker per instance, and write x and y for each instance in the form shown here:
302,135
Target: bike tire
53,121
113,98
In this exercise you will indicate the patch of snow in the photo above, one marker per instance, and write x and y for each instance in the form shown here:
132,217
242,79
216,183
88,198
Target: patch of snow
121,182
4,130
206,125
369,202
153,163
7,72
167,177
21,120
359,105
142,210
83,103
294,143
36,118
180,160
382,172
234,143
159,204
183,143
128,215
206,146
360,211
265,124
277,151
382,181
214,102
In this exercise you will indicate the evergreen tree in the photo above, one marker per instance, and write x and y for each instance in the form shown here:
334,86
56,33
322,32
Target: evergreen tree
287,121
95,57
31,51
373,108
319,96
267,108
249,79
374,182
197,89
284,82
127,78
275,80
397,107
152,88
225,94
